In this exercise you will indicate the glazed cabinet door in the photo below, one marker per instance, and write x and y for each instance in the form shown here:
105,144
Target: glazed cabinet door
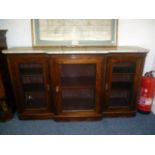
77,86
123,76
30,79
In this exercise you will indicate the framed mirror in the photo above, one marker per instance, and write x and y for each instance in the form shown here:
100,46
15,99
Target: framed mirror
74,32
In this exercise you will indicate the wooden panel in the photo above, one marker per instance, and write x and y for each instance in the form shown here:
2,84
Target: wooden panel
2,94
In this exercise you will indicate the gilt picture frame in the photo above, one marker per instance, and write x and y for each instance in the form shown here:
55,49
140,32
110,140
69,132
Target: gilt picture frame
74,32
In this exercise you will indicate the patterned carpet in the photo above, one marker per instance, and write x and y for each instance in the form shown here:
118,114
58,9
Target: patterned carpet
141,124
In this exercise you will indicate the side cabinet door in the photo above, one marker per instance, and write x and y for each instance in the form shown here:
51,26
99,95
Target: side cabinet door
30,80
123,76
77,85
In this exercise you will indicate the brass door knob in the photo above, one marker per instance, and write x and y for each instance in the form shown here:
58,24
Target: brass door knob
57,89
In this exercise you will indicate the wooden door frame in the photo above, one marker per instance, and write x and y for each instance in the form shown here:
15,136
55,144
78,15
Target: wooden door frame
76,59
13,61
138,59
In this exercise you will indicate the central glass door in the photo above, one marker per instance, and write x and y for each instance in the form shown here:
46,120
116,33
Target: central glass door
77,85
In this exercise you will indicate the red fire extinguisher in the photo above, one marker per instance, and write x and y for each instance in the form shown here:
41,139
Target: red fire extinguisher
147,92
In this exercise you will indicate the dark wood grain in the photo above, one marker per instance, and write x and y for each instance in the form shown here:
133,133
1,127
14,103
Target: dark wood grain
69,79
7,106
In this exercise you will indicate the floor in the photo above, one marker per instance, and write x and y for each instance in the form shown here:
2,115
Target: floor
141,124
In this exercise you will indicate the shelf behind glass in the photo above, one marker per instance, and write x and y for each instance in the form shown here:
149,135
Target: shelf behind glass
30,68
118,102
78,104
124,67
78,82
78,99
123,77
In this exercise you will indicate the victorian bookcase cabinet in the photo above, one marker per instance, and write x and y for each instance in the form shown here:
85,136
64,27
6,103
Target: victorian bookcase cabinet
84,84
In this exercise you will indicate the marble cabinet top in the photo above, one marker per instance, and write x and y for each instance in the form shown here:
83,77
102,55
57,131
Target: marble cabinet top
75,50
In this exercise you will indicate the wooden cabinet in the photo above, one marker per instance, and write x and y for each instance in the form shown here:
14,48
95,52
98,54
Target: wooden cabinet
76,86
6,97
31,84
5,109
122,84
